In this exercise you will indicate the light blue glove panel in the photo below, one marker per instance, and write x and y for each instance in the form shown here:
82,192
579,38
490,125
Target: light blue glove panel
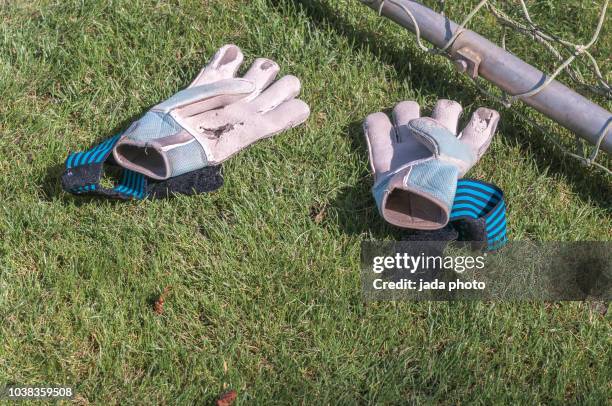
431,178
442,143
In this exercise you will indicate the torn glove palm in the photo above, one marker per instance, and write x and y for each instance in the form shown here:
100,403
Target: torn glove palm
214,118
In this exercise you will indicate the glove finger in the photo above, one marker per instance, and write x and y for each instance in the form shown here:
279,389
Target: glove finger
409,147
287,115
447,113
380,135
480,130
195,100
261,73
224,65
403,113
284,89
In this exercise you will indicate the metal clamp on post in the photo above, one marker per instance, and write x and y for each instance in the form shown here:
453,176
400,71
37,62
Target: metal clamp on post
467,61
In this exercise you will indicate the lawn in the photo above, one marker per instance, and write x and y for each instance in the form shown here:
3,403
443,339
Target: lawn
263,276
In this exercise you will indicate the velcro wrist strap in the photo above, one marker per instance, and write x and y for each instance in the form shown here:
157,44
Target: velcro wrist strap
84,171
479,213
478,216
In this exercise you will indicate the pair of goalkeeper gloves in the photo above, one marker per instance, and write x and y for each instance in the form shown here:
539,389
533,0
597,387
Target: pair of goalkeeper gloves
418,165
177,148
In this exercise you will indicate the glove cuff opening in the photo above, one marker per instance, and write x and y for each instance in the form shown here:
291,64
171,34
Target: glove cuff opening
419,196
413,209
147,160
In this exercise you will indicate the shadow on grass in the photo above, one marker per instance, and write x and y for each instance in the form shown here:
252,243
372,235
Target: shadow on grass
589,184
52,190
354,206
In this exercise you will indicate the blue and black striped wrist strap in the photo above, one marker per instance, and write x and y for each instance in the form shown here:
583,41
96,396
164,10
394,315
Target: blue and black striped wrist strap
479,213
84,171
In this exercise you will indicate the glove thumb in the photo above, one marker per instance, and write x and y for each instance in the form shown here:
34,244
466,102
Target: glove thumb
442,143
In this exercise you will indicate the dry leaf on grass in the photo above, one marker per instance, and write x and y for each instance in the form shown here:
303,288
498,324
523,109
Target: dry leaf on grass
228,398
317,213
158,307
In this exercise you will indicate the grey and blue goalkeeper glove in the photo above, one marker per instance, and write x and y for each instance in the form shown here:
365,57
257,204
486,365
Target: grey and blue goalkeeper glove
417,161
217,116
178,145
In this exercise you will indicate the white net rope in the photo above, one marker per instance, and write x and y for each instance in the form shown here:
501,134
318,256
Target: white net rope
553,43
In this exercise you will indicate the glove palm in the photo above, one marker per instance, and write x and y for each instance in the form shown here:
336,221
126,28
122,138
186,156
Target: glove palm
214,118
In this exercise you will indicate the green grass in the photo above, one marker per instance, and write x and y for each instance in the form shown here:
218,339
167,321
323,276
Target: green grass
264,299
